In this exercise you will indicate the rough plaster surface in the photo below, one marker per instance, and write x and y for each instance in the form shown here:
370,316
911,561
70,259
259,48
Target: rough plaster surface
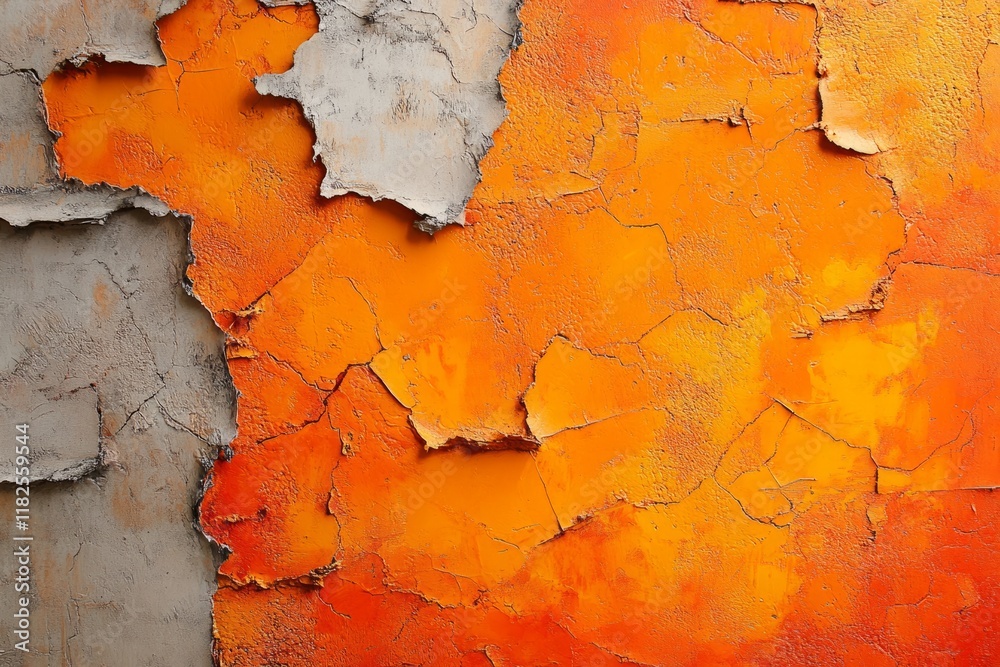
403,97
36,37
888,69
39,35
693,386
117,371
68,427
98,333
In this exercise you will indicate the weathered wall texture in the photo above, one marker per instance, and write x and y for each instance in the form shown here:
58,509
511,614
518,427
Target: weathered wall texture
707,377
122,378
403,96
119,373
35,37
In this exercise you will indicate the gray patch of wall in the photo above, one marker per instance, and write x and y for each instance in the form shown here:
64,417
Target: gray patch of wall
97,316
120,374
403,96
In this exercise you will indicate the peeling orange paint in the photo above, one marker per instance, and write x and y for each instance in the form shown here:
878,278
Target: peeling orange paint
677,394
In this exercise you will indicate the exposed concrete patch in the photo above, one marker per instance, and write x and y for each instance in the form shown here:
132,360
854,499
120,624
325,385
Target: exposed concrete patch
98,327
403,96
39,34
67,427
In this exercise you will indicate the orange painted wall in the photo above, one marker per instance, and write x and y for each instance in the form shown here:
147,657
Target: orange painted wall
693,386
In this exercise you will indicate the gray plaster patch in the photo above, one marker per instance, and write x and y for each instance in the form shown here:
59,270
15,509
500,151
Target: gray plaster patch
65,432
121,573
38,35
403,96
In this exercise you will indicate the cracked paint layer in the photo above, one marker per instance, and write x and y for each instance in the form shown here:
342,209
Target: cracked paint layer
31,189
903,76
403,97
121,376
37,37
694,385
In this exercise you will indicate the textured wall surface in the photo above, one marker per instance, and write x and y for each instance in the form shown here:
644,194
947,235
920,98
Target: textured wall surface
705,375
121,377
36,36
403,96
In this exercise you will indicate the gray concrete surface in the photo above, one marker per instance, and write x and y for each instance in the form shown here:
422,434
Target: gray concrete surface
98,316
